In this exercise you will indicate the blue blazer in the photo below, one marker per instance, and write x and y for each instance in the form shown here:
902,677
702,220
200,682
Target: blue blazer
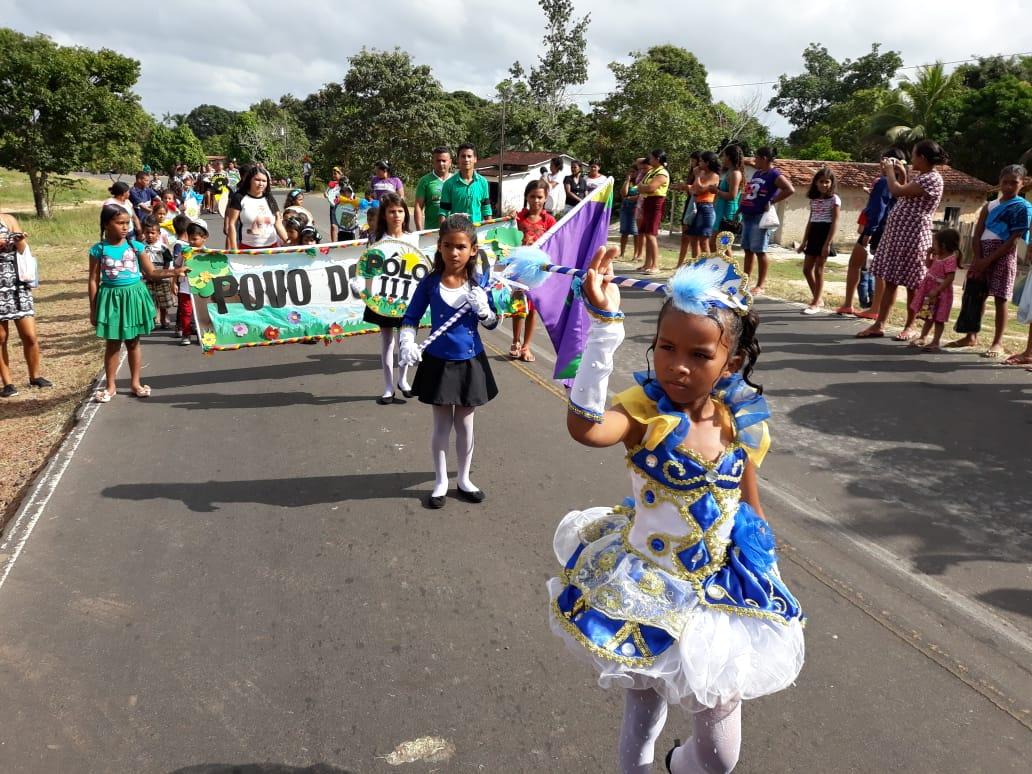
461,341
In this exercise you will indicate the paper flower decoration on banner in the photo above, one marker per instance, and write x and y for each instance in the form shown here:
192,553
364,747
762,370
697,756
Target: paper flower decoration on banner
271,333
240,329
208,339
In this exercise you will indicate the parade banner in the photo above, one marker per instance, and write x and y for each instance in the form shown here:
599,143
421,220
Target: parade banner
287,295
571,242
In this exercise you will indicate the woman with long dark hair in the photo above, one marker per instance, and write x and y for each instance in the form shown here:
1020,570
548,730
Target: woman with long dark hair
255,209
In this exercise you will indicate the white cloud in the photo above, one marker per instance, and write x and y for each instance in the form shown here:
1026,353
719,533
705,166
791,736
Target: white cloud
234,54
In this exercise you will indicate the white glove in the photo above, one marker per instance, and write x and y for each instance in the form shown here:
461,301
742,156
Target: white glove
357,285
476,297
588,396
408,352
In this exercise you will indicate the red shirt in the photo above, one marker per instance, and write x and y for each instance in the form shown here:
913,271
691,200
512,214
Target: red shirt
532,232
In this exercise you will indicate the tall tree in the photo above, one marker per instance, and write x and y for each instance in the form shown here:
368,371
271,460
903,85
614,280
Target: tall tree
391,109
268,134
167,147
993,127
562,65
917,105
846,128
805,99
208,120
682,64
64,107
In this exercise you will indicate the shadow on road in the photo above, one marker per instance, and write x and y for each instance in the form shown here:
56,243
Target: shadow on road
204,497
219,400
260,768
1015,600
341,362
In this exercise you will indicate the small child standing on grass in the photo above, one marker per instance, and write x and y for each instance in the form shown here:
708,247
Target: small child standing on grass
933,300
120,306
820,232
160,289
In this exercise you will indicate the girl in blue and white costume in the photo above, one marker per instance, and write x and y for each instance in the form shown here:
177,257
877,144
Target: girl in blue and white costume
676,596
454,374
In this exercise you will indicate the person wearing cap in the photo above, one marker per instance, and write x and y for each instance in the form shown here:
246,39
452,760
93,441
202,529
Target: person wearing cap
383,182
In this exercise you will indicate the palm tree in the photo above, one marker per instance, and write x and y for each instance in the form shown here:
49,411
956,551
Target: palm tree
916,103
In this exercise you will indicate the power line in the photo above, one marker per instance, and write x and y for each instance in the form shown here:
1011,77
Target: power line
771,83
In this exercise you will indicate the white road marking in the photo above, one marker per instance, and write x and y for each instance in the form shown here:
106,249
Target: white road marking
34,506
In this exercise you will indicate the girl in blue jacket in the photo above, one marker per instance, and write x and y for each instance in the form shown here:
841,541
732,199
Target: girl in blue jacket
454,375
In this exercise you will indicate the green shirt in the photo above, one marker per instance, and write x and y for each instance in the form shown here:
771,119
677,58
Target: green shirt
428,189
472,198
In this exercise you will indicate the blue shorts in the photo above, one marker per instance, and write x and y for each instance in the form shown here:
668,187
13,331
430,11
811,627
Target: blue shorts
702,223
628,224
754,238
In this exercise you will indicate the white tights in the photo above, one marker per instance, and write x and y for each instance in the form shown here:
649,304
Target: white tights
714,745
445,418
388,339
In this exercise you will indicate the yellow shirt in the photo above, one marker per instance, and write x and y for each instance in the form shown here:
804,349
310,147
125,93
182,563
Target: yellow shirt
655,172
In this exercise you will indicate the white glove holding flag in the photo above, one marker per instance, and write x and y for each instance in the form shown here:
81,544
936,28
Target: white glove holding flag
357,285
476,297
408,352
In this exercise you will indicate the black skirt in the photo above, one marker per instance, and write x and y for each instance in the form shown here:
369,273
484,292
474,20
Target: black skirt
465,383
370,316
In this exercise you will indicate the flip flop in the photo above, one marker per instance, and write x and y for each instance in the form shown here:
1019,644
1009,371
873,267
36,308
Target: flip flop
103,396
527,356
514,352
957,345
1018,360
868,334
143,392
846,311
992,354
867,315
904,336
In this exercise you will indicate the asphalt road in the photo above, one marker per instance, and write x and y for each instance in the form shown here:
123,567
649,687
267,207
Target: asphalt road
240,570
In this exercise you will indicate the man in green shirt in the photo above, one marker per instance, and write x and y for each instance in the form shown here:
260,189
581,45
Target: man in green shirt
467,191
428,190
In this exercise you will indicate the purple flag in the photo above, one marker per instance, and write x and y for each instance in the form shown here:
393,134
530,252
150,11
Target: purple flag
571,242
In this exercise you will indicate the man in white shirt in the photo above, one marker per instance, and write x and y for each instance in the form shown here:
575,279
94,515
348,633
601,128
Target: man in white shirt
556,192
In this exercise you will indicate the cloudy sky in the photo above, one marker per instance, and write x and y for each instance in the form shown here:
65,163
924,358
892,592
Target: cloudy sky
233,53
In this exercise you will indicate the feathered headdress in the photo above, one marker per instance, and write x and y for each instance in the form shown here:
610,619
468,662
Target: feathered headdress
712,281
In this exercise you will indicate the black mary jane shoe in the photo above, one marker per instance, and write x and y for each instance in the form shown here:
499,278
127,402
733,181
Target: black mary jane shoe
476,496
385,401
408,393
397,401
670,755
435,502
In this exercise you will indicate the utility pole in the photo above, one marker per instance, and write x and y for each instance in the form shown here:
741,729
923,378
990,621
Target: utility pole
501,155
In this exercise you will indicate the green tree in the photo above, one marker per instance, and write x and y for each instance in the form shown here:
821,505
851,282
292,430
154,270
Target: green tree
166,147
821,150
995,127
270,135
546,87
651,109
208,120
683,64
917,107
847,128
391,109
65,107
805,99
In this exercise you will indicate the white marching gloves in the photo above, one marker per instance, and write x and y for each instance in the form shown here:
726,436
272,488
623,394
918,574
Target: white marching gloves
590,385
408,352
357,285
476,297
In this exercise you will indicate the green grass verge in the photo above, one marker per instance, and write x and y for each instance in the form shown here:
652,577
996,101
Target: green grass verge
16,191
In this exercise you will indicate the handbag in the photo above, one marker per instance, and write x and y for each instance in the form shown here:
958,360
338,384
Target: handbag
769,219
28,268
734,225
688,216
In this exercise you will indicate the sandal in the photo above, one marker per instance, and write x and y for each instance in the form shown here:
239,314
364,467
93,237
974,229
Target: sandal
993,354
1020,359
846,311
514,352
143,392
103,396
527,356
904,336
867,333
867,315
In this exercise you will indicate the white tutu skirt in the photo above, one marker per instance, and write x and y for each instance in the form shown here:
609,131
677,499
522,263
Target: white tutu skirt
717,656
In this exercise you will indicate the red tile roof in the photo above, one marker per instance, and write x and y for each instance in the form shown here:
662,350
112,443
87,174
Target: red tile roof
856,174
521,158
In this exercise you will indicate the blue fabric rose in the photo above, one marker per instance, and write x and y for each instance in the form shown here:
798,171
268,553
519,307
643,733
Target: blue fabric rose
754,539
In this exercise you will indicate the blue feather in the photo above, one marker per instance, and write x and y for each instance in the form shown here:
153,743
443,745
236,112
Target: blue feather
526,266
695,287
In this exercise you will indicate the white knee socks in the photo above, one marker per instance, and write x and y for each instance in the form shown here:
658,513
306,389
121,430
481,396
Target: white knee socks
464,446
645,713
715,743
446,417
387,349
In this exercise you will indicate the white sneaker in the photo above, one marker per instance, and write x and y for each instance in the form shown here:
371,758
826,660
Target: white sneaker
185,341
811,310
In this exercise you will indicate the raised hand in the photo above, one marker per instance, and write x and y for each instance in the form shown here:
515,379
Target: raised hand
598,289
